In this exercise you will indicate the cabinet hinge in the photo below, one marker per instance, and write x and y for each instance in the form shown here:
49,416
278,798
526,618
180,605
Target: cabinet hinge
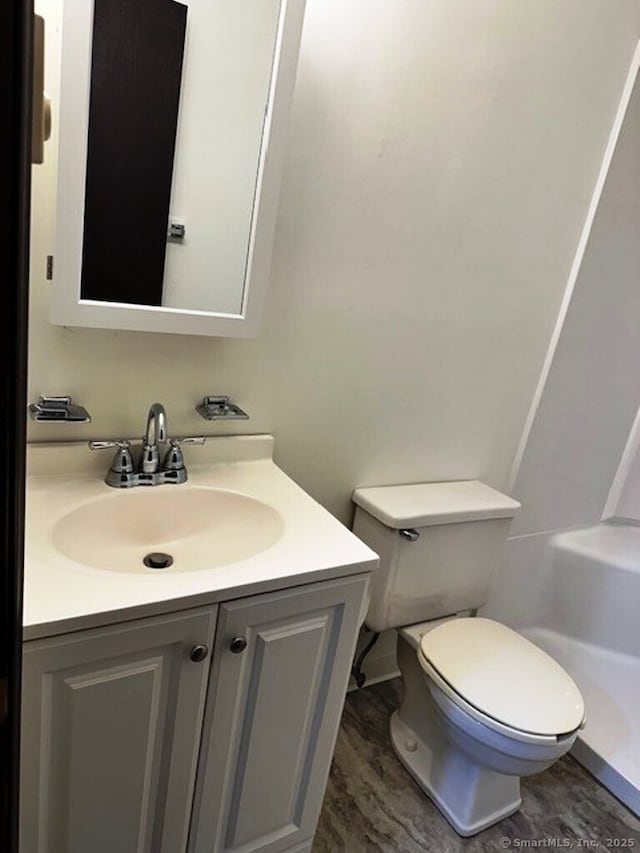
49,267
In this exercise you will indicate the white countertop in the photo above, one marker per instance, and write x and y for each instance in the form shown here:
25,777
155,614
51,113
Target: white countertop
62,595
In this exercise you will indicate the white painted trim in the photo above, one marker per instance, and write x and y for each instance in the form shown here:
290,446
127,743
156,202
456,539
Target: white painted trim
627,459
67,309
577,262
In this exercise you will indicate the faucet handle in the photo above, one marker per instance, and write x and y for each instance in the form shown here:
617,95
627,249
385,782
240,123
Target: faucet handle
105,445
123,460
174,458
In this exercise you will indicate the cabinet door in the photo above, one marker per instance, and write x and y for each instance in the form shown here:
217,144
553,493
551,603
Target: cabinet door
111,726
272,716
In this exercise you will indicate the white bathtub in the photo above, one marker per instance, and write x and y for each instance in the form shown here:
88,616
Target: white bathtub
591,626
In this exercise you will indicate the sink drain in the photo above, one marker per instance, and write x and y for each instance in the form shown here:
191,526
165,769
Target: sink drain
158,560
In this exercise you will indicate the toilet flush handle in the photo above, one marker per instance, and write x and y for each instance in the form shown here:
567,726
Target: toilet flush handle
410,534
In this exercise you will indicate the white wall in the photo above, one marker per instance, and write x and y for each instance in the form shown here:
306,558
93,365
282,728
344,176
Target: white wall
591,395
593,389
441,160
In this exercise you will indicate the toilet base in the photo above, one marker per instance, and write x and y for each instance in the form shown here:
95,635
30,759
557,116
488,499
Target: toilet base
470,797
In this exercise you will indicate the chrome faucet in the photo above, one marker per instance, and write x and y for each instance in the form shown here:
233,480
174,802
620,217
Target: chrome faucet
124,473
156,427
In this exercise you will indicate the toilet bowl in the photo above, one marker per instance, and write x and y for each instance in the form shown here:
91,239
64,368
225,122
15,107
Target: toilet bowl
466,759
483,706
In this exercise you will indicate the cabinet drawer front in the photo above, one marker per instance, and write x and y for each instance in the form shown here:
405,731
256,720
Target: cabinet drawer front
111,724
272,717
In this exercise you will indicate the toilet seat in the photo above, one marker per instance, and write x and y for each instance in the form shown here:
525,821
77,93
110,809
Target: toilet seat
502,679
489,722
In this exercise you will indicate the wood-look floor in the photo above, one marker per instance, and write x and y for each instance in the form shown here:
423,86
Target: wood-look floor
372,804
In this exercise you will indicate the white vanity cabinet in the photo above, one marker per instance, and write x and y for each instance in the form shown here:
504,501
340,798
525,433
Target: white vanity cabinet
129,745
111,725
272,716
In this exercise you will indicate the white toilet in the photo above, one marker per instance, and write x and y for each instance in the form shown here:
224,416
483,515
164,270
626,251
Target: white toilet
483,705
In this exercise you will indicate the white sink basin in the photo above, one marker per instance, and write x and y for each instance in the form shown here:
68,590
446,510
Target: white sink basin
200,528
238,527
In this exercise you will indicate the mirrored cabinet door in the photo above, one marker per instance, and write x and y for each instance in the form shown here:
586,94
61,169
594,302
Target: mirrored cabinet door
172,125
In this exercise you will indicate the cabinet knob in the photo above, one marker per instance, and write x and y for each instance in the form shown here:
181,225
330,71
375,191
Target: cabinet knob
237,645
199,653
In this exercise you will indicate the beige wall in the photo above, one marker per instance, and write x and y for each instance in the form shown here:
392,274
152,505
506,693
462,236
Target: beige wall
441,160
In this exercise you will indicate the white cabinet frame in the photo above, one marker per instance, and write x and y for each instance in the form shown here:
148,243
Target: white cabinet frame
67,308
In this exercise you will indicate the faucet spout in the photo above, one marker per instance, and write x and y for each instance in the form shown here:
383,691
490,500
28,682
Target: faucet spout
156,422
156,431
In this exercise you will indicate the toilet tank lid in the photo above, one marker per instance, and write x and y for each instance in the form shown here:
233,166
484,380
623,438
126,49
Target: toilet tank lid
427,504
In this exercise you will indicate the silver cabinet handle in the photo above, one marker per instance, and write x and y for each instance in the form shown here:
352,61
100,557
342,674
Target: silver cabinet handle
199,653
238,645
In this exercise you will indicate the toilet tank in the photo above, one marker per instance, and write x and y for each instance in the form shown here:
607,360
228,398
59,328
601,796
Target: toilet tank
461,530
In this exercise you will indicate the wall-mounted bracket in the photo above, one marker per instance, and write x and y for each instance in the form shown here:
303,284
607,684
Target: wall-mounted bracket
50,409
220,408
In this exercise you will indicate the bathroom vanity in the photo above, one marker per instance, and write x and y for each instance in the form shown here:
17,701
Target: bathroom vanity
182,709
